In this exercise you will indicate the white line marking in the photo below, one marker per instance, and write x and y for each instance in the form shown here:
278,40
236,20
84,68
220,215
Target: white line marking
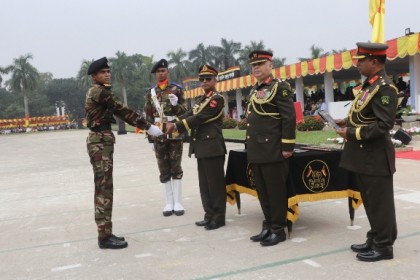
236,239
143,255
410,197
312,263
61,268
298,239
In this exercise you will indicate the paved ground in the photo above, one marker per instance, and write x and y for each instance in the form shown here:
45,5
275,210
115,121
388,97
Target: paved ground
48,231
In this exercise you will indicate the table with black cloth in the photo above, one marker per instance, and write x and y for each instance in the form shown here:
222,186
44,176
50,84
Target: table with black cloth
314,175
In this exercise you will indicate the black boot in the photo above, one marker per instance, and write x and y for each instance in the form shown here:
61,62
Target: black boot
261,236
121,238
112,243
274,239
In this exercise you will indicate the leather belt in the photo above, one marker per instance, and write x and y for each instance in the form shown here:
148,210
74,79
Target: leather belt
101,127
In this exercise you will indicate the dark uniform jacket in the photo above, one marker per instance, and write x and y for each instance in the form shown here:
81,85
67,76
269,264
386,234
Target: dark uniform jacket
369,149
271,119
205,120
100,106
165,104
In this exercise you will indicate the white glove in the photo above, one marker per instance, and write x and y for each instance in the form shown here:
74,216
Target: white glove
154,131
152,145
173,99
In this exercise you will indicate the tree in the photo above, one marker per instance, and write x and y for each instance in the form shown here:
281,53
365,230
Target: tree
122,71
142,79
278,62
226,54
2,71
333,51
316,52
201,55
66,90
83,79
179,69
244,55
24,78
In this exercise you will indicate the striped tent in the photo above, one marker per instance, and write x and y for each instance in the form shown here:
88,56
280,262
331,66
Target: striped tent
398,48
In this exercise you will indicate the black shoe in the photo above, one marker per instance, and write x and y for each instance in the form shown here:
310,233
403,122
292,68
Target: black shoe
121,238
261,236
374,256
112,243
274,239
360,248
167,213
202,223
213,225
179,212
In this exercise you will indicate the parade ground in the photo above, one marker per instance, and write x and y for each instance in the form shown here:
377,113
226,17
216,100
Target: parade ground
48,231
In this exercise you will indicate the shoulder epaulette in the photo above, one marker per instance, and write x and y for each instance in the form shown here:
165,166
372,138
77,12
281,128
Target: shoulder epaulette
177,85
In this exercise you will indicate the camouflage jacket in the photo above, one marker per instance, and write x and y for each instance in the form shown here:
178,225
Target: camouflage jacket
101,104
162,96
165,104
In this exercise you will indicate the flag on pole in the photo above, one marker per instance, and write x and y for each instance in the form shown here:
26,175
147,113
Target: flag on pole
377,20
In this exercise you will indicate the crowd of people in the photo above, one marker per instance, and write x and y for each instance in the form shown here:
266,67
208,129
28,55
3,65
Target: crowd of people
38,128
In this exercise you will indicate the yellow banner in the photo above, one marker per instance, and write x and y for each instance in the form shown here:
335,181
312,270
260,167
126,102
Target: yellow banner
377,20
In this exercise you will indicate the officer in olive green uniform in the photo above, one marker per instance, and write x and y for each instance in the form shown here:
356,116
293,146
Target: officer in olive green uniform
369,152
207,143
166,100
100,106
270,138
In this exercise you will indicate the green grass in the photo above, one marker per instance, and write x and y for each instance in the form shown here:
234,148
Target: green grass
303,137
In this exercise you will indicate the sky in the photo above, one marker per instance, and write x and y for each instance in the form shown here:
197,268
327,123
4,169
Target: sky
61,34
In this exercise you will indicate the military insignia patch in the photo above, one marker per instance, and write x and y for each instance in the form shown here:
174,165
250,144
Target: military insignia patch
213,103
385,100
316,176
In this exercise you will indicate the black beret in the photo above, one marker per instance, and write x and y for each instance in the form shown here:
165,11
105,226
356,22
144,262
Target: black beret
258,56
97,65
160,64
370,49
207,70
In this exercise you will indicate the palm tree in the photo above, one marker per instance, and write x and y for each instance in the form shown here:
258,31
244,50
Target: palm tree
122,70
24,78
226,54
83,79
333,51
179,70
2,71
316,52
201,55
279,62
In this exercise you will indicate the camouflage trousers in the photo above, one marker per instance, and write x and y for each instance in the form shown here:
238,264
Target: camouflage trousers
169,155
101,158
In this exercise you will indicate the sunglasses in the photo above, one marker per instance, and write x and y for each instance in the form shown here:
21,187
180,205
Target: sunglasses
205,79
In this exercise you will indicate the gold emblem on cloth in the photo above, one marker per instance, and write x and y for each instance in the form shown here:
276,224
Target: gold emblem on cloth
316,176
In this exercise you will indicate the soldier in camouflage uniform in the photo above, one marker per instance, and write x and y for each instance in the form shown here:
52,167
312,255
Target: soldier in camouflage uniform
166,100
271,133
100,106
